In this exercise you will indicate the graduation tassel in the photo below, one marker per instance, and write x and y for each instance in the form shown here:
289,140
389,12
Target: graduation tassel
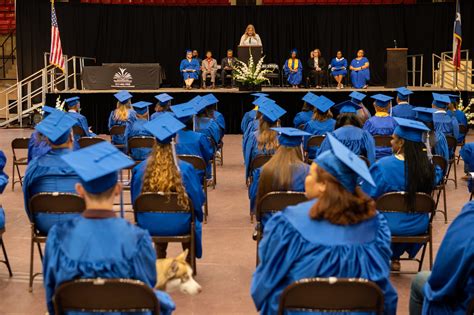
428,146
175,157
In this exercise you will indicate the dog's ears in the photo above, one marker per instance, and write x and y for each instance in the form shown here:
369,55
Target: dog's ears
183,255
173,269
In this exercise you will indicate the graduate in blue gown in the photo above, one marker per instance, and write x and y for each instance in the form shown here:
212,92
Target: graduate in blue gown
467,154
212,112
162,172
458,114
253,124
204,121
136,129
449,288
293,69
306,113
97,244
74,107
319,238
251,114
122,115
403,108
381,123
49,173
360,72
189,68
162,105
338,67
363,113
409,170
349,131
3,184
441,120
38,145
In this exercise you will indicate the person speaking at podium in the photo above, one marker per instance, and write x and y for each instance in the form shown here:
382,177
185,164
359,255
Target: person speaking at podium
250,37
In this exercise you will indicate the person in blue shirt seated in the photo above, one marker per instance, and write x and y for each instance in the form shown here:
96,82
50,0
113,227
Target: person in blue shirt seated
214,114
162,105
382,124
338,67
122,115
363,113
403,108
97,244
49,173
136,129
349,131
38,145
189,68
293,69
449,287
458,114
253,124
321,123
251,114
306,113
74,107
441,120
360,72
3,184
409,170
285,171
163,172
337,233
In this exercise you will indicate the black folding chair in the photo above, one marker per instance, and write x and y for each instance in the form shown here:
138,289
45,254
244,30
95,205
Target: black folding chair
259,161
118,131
5,256
314,141
18,144
452,145
88,141
440,187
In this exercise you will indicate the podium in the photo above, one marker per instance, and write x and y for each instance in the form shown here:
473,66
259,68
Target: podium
243,53
396,67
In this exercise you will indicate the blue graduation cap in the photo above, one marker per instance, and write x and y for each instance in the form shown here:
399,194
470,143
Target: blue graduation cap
72,101
263,99
323,104
410,129
56,127
271,111
344,165
259,95
290,137
347,107
200,104
184,112
123,96
357,97
403,93
454,98
163,98
425,114
47,110
210,99
441,100
97,166
310,98
164,127
381,100
141,107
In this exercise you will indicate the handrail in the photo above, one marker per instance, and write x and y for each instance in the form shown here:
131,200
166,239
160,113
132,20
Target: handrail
443,64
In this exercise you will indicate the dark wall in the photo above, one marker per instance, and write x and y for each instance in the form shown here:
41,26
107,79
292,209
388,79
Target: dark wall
114,33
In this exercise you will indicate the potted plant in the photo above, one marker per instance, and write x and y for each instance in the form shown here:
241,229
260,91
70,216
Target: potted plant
250,76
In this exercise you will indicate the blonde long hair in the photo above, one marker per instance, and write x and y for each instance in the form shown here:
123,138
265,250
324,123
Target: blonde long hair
121,113
247,29
267,138
162,175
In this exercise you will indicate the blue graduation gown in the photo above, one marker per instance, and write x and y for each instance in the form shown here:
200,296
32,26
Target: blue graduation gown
446,124
251,128
317,128
247,119
295,247
156,115
441,145
389,175
81,122
467,154
462,120
208,127
172,224
194,143
450,287
356,139
137,129
3,184
251,151
338,67
120,139
189,65
383,126
294,78
100,248
37,146
219,119
49,173
302,118
359,78
404,110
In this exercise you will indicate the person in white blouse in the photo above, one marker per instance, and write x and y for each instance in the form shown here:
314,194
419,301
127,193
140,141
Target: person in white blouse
250,37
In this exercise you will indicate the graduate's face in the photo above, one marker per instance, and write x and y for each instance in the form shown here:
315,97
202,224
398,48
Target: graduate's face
313,188
360,53
189,55
397,144
293,55
339,54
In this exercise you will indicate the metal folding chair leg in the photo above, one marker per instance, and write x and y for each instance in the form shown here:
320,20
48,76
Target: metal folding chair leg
206,204
32,256
6,261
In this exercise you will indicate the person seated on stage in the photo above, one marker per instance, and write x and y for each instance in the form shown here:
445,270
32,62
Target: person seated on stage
285,171
189,142
49,173
348,130
213,113
189,68
338,67
122,115
196,56
321,123
459,114
250,37
137,129
449,287
410,170
293,69
38,145
382,124
251,114
74,107
360,72
317,68
337,233
306,113
363,113
403,108
162,106
441,120
97,244
164,172
227,67
209,66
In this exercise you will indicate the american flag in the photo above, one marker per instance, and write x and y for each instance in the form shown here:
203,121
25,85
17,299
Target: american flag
56,52
457,37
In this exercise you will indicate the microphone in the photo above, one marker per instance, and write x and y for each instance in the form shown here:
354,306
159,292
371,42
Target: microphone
395,43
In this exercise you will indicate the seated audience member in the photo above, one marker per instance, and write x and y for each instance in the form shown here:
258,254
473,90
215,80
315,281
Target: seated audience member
97,244
348,130
363,113
293,69
3,184
337,233
338,67
227,67
163,172
38,145
189,68
209,66
442,122
162,106
408,169
317,68
74,107
403,108
136,129
306,113
449,287
467,154
459,114
250,37
195,55
204,120
122,115
49,173
360,72
251,114
382,124
214,114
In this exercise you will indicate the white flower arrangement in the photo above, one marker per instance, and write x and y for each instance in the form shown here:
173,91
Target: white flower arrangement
250,74
467,111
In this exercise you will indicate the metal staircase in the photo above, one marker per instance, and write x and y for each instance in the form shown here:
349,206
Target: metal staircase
445,75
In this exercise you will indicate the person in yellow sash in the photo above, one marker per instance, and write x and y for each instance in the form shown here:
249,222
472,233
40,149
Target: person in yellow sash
293,69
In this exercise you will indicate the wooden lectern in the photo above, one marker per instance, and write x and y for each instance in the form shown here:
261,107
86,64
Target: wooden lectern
396,67
243,53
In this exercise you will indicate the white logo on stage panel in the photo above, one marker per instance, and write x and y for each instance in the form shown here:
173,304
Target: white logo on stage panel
123,78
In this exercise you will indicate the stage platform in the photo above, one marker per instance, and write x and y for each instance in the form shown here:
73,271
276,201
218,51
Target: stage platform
97,104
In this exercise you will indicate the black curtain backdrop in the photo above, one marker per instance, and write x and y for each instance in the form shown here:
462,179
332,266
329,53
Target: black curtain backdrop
116,33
